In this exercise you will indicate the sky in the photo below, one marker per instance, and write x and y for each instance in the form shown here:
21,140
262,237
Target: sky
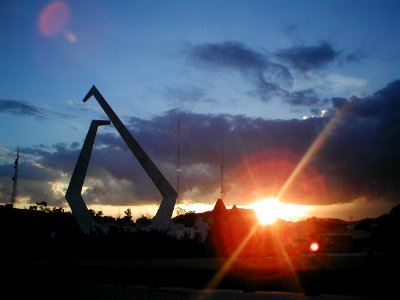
302,96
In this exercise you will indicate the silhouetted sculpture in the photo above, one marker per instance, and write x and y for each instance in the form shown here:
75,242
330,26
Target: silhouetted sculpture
85,220
162,220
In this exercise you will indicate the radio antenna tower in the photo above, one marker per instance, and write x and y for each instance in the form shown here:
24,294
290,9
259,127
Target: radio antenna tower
15,179
178,167
222,193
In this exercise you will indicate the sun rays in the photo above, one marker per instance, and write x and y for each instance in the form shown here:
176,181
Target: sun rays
270,209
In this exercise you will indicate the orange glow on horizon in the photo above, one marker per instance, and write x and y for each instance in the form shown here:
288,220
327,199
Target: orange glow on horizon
269,210
266,173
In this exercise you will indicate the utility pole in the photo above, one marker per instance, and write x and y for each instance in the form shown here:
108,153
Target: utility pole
15,179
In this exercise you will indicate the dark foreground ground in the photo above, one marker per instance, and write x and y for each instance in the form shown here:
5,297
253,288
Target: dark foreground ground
366,276
44,256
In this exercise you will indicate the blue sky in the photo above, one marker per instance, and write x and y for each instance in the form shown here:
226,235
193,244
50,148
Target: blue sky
259,73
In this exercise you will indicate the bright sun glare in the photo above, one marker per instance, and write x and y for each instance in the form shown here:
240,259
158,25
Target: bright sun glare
270,209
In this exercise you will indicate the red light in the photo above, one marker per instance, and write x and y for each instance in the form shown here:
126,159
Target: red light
314,247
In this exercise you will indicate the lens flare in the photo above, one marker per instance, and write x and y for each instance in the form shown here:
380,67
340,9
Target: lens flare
71,37
315,147
54,18
314,247
297,171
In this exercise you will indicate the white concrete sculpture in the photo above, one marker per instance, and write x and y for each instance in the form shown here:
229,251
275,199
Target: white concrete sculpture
85,220
162,220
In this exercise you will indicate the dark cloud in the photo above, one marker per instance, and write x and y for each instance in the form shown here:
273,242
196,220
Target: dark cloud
74,145
338,102
59,158
34,182
358,159
186,95
229,54
302,98
268,77
20,108
364,145
28,171
354,57
291,28
306,58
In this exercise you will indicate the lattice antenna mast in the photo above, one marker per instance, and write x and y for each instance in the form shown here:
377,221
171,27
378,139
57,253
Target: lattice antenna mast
178,164
222,193
15,178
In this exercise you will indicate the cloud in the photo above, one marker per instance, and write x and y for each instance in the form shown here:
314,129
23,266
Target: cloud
338,102
302,98
35,182
337,82
21,108
291,28
364,145
186,95
270,76
229,54
358,160
267,76
307,58
354,57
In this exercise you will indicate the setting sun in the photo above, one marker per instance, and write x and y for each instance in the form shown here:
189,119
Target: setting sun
270,209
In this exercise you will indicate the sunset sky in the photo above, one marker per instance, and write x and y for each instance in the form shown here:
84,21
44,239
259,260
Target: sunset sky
304,96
